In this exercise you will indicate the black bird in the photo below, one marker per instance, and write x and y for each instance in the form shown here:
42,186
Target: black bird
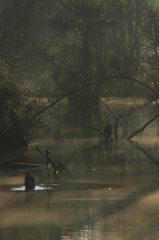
29,182
108,131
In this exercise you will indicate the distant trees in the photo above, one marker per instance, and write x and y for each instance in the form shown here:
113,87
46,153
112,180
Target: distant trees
10,98
18,20
113,43
80,51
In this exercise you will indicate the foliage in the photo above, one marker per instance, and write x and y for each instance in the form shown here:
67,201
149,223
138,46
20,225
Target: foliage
59,58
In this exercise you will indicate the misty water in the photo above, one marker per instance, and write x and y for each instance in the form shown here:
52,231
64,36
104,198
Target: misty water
116,200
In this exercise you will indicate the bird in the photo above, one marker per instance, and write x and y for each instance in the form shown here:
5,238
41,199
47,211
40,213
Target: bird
108,131
29,182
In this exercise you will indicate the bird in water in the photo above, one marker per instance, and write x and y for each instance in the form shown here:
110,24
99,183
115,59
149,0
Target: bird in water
108,131
29,182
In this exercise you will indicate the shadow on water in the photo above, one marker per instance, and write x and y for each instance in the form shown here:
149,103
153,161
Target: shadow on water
117,200
114,207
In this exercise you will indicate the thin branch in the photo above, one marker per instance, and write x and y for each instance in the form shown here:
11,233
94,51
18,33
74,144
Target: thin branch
69,159
150,77
139,82
135,109
92,127
79,122
123,115
143,127
108,109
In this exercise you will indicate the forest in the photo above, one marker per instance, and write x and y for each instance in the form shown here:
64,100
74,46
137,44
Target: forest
61,60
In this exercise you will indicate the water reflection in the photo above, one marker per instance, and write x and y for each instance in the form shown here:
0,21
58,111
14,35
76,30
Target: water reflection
37,188
87,228
119,200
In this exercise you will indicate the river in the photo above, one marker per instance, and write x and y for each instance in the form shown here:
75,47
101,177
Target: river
108,191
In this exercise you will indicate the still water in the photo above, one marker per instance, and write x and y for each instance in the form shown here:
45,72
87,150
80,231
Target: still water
117,200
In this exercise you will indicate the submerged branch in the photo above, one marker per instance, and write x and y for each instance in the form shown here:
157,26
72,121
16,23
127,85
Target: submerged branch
70,157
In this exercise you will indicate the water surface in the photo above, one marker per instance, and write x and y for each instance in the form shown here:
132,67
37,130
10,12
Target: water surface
117,199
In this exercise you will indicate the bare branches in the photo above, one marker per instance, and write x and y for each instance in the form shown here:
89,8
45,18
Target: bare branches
111,112
92,127
123,115
143,127
139,82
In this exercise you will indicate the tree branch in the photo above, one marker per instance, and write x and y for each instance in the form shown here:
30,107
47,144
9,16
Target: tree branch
143,127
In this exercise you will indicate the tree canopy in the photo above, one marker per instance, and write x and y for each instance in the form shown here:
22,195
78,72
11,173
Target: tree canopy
65,58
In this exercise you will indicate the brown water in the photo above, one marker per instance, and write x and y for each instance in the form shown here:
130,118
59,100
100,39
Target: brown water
117,200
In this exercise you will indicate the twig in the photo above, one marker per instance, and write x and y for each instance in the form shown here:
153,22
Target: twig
40,151
143,127
69,159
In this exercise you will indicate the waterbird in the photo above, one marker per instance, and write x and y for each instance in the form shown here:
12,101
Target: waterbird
91,169
108,131
29,182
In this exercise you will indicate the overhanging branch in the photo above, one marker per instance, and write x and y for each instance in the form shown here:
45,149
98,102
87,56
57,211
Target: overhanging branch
143,127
